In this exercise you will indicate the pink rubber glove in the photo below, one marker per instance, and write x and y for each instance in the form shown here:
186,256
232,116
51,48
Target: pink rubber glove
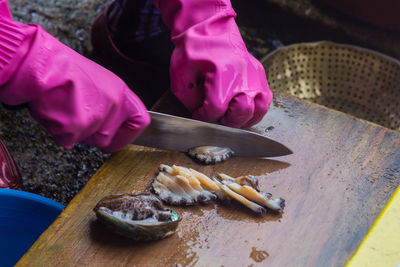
75,99
212,73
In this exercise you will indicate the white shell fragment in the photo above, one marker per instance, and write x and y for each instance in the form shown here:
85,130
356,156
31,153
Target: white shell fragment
210,154
177,185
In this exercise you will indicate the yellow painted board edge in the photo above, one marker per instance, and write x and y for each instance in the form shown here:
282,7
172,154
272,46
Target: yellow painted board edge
381,246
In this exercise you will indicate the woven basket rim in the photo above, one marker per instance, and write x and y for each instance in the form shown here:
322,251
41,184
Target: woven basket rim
342,45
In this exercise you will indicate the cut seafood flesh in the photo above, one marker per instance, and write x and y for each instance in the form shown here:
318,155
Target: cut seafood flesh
137,216
210,154
252,194
177,185
240,198
180,186
249,180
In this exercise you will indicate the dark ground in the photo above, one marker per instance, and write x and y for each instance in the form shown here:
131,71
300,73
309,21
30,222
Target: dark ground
54,172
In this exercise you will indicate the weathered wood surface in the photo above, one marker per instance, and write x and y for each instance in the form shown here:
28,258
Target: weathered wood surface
339,178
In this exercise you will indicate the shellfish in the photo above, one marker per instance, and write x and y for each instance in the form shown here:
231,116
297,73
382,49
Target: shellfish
210,154
178,185
237,188
137,216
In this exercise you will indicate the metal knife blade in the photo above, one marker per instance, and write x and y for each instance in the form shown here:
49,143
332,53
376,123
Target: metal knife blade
180,134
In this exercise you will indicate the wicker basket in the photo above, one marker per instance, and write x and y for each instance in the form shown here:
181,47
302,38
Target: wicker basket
347,78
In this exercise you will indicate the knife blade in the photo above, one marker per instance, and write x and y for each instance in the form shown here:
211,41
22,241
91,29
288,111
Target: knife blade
180,134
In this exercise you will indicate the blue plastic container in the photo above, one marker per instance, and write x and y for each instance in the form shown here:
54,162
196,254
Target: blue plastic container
23,217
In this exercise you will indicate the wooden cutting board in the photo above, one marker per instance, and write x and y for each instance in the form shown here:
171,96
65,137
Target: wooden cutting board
342,173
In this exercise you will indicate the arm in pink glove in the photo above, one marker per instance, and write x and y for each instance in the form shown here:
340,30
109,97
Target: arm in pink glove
212,73
75,99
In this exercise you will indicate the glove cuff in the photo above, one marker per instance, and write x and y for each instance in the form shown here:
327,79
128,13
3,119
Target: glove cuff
14,44
4,10
11,37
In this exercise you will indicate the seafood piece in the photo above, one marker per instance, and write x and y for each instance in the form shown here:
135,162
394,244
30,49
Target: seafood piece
250,193
224,176
247,186
196,178
249,180
205,180
179,186
167,196
184,183
165,168
194,182
221,194
210,154
251,205
175,170
180,197
137,216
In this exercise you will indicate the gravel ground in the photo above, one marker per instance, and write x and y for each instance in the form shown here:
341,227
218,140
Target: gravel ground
46,168
59,174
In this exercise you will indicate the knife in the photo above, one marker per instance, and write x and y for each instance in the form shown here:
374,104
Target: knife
180,134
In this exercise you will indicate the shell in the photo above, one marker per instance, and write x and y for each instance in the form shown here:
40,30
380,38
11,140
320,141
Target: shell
210,154
137,216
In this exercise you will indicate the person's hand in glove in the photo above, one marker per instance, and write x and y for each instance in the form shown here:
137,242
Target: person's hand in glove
75,99
212,73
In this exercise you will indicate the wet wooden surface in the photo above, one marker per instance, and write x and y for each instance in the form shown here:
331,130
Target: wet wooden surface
339,178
